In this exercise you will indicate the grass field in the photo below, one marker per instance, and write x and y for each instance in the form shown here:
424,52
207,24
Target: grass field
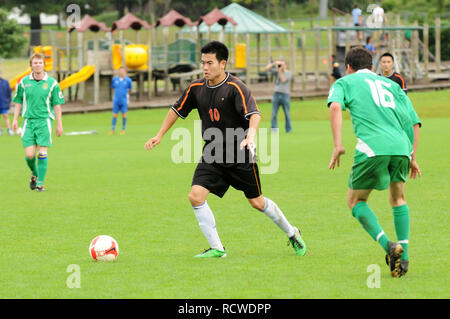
101,184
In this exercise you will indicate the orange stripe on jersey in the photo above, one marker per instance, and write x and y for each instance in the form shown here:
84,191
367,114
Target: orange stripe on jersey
255,103
256,178
242,95
400,77
187,93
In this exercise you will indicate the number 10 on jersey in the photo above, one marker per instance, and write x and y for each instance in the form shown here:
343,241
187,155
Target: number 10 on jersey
214,114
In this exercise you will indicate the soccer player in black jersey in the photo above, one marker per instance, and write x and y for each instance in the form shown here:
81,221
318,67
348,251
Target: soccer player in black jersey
230,119
387,70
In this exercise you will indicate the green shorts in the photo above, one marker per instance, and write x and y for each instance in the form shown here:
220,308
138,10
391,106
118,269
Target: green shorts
378,172
37,132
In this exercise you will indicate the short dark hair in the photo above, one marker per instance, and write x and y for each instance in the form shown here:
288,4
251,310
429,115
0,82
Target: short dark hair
387,54
368,39
218,48
359,58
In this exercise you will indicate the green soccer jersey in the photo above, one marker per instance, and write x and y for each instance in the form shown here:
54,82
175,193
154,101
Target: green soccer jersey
38,98
382,114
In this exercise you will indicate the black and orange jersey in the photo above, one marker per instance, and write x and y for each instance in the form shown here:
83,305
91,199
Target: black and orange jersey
396,77
226,106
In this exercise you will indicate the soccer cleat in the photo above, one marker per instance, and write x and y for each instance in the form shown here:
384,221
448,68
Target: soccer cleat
297,243
403,267
212,253
10,132
122,132
40,189
393,259
111,132
33,180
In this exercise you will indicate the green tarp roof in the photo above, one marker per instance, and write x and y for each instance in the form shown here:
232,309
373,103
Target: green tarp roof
247,22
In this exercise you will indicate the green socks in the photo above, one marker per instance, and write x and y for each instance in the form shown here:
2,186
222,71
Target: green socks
32,165
41,168
369,222
401,223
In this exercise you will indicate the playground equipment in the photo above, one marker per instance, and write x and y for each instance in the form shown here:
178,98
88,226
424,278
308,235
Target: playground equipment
136,56
81,76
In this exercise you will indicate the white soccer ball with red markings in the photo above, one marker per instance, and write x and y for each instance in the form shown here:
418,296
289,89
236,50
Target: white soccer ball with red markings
104,248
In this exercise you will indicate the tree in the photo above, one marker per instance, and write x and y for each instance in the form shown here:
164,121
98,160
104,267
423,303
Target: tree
12,39
35,7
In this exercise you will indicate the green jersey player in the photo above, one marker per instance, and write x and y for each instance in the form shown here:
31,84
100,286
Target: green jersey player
386,127
38,99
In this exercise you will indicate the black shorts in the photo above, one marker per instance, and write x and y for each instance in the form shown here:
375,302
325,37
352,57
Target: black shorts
217,178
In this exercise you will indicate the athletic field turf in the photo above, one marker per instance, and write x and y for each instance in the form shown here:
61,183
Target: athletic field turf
101,184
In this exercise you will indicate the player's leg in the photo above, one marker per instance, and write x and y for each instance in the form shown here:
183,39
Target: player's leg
42,165
271,210
400,211
115,112
43,132
275,107
124,119
357,202
286,104
30,158
7,123
208,178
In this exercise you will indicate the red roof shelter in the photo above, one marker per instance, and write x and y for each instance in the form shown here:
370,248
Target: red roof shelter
173,18
216,16
130,21
89,23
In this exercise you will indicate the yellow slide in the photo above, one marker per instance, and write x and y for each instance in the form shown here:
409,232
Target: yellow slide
82,75
13,82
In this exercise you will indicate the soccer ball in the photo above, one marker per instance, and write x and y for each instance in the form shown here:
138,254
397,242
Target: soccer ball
104,248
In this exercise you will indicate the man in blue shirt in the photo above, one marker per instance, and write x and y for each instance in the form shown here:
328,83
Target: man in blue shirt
121,86
5,101
357,19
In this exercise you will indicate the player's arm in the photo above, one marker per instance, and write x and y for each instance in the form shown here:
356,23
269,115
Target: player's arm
58,115
336,130
17,108
249,141
166,125
414,166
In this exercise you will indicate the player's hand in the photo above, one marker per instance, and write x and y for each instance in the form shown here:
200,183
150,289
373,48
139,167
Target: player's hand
415,170
250,144
151,143
335,157
14,125
59,130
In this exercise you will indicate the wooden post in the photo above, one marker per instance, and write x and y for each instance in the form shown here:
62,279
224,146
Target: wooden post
347,34
399,46
330,51
292,56
166,59
304,60
316,64
69,60
97,71
258,50
149,62
247,58
426,50
438,44
269,48
414,52
122,47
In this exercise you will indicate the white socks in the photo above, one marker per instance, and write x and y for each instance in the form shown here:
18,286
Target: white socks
276,215
207,224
